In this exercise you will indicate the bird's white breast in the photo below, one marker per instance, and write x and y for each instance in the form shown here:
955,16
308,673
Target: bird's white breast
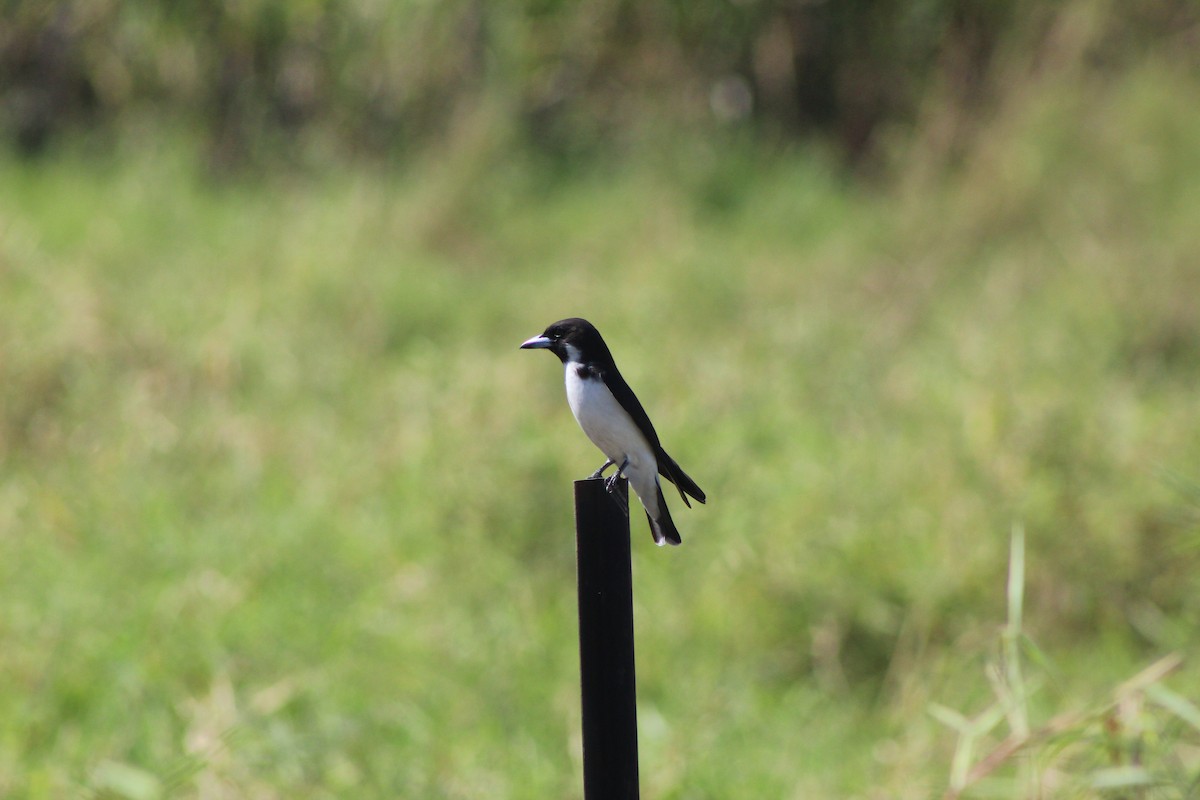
604,420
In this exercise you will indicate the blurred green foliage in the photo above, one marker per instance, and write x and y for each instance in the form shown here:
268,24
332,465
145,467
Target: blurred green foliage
278,504
272,77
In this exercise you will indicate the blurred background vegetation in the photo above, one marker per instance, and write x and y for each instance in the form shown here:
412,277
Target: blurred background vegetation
260,76
285,513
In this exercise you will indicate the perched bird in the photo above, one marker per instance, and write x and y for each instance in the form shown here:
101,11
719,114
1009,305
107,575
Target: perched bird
611,416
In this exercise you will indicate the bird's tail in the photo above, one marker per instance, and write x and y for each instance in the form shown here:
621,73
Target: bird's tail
663,528
671,471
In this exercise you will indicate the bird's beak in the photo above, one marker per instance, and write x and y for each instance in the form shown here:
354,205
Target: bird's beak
536,343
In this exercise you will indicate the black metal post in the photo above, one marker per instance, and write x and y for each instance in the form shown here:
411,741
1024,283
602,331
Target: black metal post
610,753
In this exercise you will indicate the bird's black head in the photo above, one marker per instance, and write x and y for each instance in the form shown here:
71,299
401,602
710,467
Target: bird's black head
572,339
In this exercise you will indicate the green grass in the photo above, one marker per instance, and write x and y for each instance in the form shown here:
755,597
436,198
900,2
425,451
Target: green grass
285,513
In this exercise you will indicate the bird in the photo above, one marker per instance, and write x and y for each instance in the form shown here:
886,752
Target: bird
609,413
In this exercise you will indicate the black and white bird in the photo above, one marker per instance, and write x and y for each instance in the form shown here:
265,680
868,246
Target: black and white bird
611,416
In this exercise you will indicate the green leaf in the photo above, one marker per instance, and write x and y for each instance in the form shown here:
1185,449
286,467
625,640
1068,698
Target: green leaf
949,717
1121,777
1178,705
126,781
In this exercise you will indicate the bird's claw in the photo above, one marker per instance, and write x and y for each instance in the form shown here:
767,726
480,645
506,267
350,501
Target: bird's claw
600,471
610,486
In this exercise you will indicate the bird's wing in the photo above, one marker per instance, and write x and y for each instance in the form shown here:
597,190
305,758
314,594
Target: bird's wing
628,400
683,482
666,465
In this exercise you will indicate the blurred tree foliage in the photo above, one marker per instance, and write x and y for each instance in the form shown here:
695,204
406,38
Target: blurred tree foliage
386,75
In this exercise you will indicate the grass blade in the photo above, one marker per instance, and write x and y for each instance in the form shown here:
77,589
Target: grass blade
1178,705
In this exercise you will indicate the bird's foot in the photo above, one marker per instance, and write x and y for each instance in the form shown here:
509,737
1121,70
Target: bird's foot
610,486
600,471
610,483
